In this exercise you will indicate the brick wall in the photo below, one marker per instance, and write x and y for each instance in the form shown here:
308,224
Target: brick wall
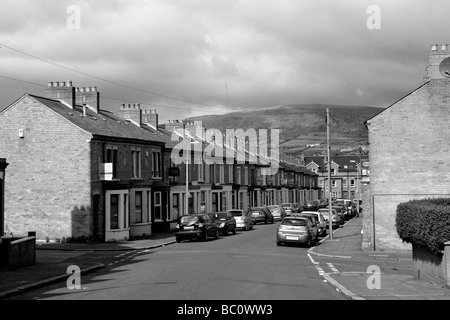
409,156
48,185
429,266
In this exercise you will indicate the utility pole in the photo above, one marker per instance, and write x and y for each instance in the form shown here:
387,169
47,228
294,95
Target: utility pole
329,176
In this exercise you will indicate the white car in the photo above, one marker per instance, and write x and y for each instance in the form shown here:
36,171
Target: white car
243,219
277,212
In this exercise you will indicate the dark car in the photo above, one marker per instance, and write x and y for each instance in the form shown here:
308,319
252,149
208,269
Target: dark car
261,214
193,226
225,221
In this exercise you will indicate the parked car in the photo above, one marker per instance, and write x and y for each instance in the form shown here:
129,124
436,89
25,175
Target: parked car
322,222
193,226
335,219
311,206
261,214
296,207
344,210
340,212
225,221
314,222
243,219
296,229
288,208
277,211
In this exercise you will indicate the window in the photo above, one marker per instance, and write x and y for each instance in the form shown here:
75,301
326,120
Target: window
245,176
201,171
203,201
114,209
222,173
333,183
333,171
157,206
115,161
344,182
238,175
125,205
156,164
112,157
352,182
136,163
138,206
230,174
175,205
321,182
224,201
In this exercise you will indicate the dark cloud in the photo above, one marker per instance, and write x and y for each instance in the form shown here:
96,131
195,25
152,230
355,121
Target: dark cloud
265,52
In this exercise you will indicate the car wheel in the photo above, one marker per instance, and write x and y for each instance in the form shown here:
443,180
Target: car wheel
178,239
273,220
266,221
216,234
225,231
310,243
205,237
251,226
234,230
278,243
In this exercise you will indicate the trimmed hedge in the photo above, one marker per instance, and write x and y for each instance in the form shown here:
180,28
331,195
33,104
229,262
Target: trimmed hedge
424,223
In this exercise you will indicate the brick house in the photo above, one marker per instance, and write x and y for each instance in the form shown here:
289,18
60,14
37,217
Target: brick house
409,152
78,171
346,175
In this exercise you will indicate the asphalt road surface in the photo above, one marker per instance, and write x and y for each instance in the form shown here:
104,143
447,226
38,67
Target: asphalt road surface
245,266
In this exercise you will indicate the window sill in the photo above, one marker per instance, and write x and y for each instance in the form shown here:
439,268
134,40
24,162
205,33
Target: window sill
137,224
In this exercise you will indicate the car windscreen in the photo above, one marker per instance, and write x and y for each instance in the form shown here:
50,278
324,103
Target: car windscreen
221,215
294,222
236,213
189,219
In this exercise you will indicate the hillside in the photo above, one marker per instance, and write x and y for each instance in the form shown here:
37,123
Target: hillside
301,125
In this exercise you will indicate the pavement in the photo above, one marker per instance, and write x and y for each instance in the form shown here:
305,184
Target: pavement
358,275
370,275
53,260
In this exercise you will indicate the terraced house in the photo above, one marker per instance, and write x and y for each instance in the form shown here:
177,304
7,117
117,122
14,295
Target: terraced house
80,171
346,175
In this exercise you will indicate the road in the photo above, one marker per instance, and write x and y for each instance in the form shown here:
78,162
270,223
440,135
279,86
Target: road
245,266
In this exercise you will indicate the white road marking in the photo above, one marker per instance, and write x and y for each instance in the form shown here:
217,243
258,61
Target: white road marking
332,268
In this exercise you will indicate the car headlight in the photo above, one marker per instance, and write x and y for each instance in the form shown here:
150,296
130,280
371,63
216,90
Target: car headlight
222,225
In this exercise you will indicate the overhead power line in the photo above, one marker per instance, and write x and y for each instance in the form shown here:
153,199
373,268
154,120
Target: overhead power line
102,79
110,98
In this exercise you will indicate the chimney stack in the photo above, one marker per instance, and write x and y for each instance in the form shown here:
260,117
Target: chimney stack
62,91
434,68
150,117
88,96
131,112
172,125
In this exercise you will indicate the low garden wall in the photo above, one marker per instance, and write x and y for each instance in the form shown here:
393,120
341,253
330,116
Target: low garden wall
18,252
425,224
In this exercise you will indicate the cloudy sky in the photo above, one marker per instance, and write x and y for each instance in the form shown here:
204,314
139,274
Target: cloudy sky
197,57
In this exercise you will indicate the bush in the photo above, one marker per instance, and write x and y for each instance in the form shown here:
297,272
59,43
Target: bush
424,223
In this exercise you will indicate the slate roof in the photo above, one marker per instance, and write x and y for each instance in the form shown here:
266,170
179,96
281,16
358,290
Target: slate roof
104,123
342,161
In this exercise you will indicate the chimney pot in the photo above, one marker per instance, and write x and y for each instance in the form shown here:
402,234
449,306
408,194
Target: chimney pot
88,89
434,47
69,83
444,47
50,84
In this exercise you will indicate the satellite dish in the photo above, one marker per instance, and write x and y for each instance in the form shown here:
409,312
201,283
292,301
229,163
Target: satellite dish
444,67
